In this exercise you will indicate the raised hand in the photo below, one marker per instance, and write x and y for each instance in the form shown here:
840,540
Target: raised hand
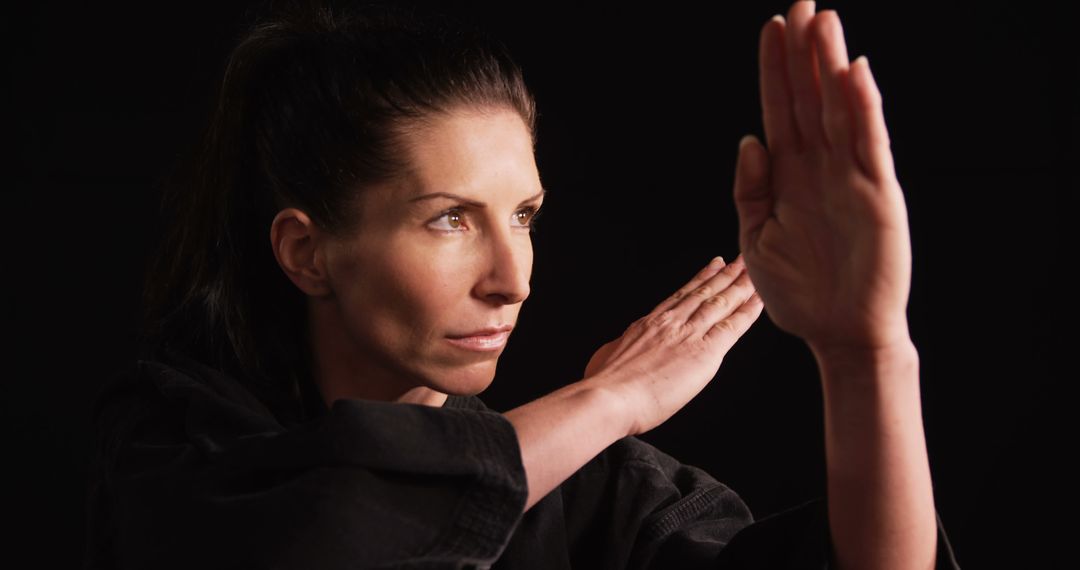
667,357
822,220
823,226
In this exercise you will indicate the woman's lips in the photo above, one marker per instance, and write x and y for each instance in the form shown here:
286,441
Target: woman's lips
481,342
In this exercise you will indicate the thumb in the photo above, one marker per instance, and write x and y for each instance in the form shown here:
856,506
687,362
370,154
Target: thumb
599,359
753,195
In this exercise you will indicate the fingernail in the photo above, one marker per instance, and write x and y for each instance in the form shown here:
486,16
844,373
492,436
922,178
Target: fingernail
866,63
745,141
778,18
716,262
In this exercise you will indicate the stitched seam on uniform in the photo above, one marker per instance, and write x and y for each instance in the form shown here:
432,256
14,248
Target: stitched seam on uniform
689,507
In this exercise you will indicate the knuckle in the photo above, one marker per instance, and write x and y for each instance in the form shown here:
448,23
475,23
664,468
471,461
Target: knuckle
659,320
648,321
718,301
724,326
672,333
666,326
703,292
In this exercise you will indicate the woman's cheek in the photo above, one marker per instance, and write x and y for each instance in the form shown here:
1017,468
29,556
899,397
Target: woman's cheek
428,271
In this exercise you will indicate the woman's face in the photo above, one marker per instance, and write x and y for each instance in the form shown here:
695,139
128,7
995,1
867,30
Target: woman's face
425,293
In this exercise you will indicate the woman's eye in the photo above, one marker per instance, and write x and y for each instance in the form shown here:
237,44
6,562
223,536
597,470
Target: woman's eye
453,220
526,218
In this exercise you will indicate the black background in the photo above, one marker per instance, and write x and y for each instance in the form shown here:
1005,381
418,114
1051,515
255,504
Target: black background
641,109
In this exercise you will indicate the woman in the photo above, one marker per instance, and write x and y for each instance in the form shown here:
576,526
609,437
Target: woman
308,400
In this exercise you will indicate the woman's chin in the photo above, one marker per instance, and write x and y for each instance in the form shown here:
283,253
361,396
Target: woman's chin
469,388
468,381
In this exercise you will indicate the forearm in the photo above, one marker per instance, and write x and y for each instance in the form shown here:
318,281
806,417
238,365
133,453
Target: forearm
562,431
880,499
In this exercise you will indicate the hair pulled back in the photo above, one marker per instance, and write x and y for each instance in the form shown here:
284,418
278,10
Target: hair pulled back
312,106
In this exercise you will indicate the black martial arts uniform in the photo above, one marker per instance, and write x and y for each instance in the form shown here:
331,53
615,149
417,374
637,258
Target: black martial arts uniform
192,471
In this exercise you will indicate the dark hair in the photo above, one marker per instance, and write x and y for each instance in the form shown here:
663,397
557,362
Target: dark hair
311,109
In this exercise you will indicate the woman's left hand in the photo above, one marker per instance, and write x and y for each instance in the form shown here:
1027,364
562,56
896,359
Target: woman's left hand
822,221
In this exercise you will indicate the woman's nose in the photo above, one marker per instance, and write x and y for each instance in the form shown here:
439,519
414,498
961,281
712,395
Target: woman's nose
504,278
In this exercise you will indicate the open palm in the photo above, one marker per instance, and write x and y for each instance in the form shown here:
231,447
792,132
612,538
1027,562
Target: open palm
822,221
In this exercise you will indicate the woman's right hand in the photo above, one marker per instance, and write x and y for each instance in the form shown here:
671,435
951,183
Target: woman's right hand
667,357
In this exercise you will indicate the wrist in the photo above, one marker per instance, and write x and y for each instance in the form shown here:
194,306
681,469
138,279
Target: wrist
614,404
883,345
898,359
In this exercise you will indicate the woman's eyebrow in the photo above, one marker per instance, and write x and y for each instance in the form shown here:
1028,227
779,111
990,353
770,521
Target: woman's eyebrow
472,203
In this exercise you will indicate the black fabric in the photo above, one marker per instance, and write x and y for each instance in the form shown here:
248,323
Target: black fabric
192,471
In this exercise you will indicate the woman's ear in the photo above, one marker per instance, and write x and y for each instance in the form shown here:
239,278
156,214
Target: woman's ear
295,240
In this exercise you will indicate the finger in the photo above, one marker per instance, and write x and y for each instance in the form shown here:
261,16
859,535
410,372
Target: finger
720,306
872,147
708,271
833,70
776,112
731,329
753,195
689,303
803,73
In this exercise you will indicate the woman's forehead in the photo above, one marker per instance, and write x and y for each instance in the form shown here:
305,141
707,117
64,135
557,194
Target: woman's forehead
472,156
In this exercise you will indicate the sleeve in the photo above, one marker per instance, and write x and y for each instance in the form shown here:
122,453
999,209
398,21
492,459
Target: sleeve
190,479
637,507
